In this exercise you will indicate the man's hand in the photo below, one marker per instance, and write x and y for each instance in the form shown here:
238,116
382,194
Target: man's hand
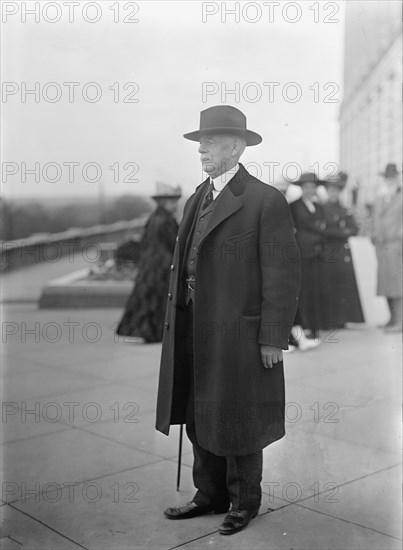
270,356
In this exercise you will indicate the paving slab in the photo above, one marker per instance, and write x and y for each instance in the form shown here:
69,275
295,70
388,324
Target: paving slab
117,521
304,463
360,374
377,425
361,498
144,436
25,284
14,429
67,456
128,363
20,531
297,528
21,386
115,403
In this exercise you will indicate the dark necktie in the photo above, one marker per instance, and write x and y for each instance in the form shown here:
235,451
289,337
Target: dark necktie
209,197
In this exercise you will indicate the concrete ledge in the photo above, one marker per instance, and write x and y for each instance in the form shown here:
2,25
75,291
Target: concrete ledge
76,291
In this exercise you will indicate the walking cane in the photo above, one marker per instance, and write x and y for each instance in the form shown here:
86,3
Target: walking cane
179,457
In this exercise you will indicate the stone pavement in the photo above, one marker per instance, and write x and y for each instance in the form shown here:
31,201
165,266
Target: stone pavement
83,466
25,284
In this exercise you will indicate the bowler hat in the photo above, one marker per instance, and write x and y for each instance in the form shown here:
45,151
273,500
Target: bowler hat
390,170
224,119
308,177
165,191
337,180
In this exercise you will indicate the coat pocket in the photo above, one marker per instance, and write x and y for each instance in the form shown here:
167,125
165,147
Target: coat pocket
241,237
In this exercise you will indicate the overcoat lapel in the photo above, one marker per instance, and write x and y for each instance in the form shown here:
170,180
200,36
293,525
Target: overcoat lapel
190,214
189,218
227,205
230,201
311,214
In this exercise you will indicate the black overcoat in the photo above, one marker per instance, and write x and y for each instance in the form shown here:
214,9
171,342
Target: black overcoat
247,286
340,300
145,308
309,228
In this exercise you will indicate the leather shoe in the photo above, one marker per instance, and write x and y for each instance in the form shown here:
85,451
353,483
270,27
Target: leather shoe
192,510
236,520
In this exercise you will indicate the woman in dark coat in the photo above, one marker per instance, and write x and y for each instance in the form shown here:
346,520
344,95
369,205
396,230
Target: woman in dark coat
309,224
145,308
340,300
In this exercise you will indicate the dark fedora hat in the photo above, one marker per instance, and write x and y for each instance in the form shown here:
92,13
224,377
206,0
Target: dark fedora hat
308,177
337,180
224,119
390,170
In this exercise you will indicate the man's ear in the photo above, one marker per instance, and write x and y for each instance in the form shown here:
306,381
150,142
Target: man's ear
236,146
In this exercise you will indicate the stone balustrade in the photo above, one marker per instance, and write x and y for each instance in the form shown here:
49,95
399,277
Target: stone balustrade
50,247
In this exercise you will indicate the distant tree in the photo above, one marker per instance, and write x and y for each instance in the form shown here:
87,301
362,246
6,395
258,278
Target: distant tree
6,220
28,219
128,207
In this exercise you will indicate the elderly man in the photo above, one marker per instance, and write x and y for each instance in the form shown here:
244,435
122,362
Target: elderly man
232,301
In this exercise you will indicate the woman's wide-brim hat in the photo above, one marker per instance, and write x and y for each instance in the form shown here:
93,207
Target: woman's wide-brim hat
224,119
338,180
390,171
166,191
308,177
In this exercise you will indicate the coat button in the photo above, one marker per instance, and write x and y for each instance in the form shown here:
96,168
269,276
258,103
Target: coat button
166,325
169,295
347,259
172,267
347,246
177,239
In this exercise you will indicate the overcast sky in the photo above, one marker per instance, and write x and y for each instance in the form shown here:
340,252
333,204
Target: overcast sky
169,54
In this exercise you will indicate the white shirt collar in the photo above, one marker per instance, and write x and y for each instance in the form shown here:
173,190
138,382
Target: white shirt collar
309,204
221,181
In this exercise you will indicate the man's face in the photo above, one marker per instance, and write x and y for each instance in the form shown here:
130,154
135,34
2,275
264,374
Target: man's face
308,190
217,154
171,205
333,193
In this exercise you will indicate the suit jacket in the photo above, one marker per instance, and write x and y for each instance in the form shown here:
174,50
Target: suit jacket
309,228
247,286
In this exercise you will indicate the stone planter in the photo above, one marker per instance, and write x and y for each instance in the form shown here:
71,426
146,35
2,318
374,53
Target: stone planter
77,291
